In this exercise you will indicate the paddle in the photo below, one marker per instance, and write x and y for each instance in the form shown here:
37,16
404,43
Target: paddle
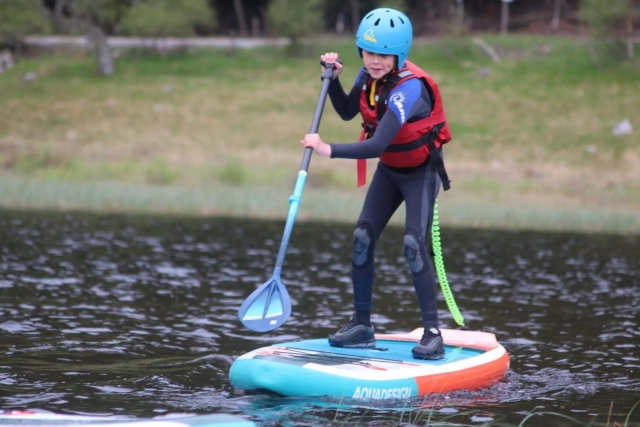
269,306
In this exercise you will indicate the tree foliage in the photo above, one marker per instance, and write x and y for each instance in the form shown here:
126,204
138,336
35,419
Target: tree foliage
76,15
161,18
604,16
19,18
400,5
296,19
97,18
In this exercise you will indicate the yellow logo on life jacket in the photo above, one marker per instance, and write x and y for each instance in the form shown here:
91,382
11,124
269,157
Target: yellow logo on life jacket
368,36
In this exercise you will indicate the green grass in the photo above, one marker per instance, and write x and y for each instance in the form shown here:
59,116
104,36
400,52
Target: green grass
536,131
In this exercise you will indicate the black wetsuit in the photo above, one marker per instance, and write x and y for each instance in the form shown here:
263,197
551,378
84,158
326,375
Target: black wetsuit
417,187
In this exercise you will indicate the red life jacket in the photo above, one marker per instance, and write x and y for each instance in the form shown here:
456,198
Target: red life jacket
412,144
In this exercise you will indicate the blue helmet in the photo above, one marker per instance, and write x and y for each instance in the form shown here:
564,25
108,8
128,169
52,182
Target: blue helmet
385,31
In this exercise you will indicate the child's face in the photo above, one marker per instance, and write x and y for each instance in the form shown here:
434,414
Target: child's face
377,64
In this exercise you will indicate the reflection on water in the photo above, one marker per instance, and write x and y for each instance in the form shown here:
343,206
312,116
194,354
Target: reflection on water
138,316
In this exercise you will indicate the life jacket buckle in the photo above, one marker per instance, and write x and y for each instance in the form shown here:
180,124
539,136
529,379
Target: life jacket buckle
369,129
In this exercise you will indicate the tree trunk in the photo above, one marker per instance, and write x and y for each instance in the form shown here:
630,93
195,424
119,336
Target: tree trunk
242,23
255,26
340,23
265,20
98,39
428,15
630,40
355,15
95,35
557,10
504,20
459,17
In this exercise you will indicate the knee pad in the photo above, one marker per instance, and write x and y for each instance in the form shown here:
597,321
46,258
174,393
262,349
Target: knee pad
415,252
363,243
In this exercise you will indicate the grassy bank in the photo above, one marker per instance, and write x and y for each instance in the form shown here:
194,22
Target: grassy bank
216,132
271,202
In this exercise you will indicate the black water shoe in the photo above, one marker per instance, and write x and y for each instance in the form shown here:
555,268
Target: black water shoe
353,335
431,346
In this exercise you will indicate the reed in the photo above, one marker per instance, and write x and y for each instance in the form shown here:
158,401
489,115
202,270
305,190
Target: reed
318,204
433,417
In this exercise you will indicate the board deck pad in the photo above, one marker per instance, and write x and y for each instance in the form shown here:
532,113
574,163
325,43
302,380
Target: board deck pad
389,352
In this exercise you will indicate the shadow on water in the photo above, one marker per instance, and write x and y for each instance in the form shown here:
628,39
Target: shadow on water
138,316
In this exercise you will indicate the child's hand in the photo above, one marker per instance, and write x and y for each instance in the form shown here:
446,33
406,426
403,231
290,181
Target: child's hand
312,140
331,58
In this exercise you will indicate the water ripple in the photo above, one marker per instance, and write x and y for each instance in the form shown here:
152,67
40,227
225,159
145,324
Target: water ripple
137,315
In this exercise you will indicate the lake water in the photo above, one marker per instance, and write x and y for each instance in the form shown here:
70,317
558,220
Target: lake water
138,316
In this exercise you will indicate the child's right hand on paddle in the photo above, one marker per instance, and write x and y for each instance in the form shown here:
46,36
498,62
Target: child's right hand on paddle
331,58
313,140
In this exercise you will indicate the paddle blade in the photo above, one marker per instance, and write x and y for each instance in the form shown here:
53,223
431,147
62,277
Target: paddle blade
267,307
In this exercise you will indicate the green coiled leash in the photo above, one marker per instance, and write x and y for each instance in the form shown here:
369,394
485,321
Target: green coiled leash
439,264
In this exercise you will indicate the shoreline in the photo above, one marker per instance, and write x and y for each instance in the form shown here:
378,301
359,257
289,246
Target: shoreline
317,204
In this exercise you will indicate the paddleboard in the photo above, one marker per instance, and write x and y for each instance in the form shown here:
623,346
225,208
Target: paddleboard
473,360
48,419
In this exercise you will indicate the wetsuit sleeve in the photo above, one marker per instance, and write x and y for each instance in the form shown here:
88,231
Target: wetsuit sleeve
372,147
409,101
347,106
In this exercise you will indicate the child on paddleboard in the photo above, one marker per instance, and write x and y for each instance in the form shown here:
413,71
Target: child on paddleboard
404,125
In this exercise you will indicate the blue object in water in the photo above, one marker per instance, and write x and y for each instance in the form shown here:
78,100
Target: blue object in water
49,419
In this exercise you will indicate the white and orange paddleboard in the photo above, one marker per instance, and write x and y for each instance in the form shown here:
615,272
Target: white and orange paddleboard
473,360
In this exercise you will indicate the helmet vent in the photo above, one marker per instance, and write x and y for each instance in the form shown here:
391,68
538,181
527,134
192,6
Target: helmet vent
391,21
400,19
369,16
377,22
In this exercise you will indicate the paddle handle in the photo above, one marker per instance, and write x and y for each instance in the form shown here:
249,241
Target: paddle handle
327,75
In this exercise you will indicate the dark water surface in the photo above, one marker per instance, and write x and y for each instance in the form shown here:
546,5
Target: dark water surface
138,316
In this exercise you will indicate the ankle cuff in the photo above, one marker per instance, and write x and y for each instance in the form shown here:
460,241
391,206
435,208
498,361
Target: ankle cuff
362,306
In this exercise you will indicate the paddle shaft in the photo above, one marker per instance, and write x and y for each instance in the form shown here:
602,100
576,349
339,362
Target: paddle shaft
294,200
